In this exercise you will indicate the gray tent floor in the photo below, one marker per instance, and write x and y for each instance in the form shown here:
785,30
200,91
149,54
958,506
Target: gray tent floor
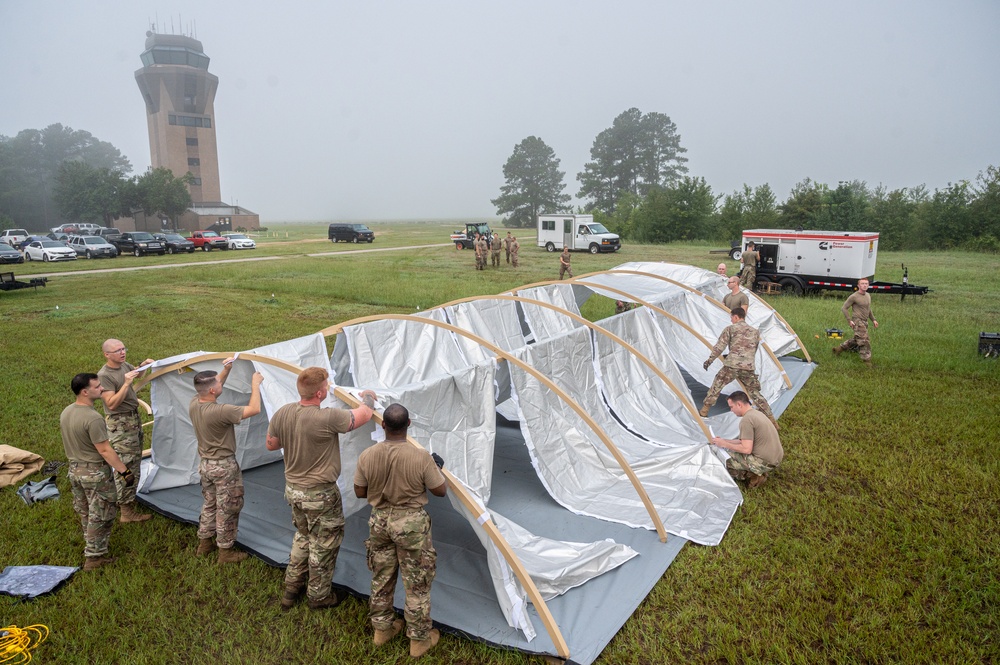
462,599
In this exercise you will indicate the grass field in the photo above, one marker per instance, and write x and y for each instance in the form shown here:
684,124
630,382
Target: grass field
876,541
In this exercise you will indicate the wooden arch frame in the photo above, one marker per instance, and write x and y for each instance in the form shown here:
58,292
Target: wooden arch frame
601,434
601,331
457,488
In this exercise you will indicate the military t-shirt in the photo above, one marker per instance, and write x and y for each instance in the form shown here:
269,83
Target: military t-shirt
397,474
213,425
113,380
309,436
862,305
756,427
82,427
749,259
734,300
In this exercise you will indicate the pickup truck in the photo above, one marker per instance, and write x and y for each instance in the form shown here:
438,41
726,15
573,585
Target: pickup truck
139,243
13,237
208,240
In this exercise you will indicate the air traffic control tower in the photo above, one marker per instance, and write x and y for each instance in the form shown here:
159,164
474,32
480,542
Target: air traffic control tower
180,111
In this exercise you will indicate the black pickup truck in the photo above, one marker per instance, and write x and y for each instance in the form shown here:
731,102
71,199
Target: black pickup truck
138,243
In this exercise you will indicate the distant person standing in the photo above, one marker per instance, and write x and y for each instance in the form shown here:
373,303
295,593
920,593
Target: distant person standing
495,246
742,340
309,435
757,452
564,264
93,468
515,252
482,250
394,476
121,406
221,477
749,260
506,245
858,310
721,270
735,298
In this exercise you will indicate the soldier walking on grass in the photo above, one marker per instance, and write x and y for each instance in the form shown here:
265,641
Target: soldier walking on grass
564,266
221,478
757,452
858,310
515,252
394,476
94,466
309,435
121,406
748,277
742,340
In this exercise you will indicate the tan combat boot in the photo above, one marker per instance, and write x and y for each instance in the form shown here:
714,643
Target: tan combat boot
704,411
756,481
231,555
130,514
205,546
837,350
95,562
335,598
419,647
291,596
383,636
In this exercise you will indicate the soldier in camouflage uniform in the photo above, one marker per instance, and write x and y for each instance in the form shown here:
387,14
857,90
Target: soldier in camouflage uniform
515,252
93,463
495,246
394,476
742,340
309,435
482,251
564,263
124,424
749,260
221,478
758,449
506,245
858,310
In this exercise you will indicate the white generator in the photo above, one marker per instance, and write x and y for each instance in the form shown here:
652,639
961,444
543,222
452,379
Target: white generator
803,261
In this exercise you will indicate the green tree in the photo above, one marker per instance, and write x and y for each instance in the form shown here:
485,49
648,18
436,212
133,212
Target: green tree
88,194
158,192
636,154
948,216
533,184
803,205
750,208
682,211
985,206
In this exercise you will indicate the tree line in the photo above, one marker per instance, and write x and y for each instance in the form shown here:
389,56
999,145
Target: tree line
58,174
637,185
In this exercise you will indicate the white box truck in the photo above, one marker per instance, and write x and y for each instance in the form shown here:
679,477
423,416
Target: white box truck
804,261
578,232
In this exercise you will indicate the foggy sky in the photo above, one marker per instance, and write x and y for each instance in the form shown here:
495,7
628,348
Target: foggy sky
403,110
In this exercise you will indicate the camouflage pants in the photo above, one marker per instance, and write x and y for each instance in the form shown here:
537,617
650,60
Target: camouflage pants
480,261
508,255
401,538
748,278
94,501
222,487
739,464
318,516
565,269
859,342
125,435
748,379
495,258
515,260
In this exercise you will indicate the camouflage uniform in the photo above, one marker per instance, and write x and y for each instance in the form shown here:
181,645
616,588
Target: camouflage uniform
749,275
318,516
564,266
125,435
515,256
858,309
95,502
506,245
742,340
404,533
482,247
739,464
495,247
222,488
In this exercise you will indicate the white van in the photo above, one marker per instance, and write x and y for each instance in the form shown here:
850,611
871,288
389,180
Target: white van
578,232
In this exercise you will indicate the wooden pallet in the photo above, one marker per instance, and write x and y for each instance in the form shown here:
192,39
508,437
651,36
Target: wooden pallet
769,288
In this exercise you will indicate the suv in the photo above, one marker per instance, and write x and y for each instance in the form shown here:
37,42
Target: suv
351,233
13,237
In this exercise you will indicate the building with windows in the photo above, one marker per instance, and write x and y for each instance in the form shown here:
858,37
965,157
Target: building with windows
179,93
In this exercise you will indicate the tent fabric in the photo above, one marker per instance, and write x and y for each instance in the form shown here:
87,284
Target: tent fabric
549,483
17,464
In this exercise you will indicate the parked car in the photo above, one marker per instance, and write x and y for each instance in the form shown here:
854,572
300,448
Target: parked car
139,243
92,247
48,250
9,255
65,228
239,241
208,240
350,233
13,237
30,239
175,243
87,229
107,232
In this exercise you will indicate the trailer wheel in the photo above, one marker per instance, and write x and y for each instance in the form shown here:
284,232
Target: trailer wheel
594,248
736,253
549,247
791,286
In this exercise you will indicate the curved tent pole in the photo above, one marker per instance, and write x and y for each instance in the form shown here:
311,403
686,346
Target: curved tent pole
459,490
601,331
767,348
601,434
